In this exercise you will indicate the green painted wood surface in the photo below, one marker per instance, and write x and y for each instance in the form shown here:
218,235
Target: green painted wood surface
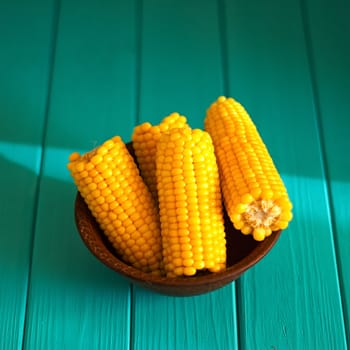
330,57
25,41
73,73
200,322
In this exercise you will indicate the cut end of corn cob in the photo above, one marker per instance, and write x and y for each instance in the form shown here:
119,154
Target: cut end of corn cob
110,183
255,197
262,217
190,203
145,138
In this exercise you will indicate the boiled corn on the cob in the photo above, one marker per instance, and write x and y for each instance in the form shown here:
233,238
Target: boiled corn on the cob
109,181
190,203
145,138
254,194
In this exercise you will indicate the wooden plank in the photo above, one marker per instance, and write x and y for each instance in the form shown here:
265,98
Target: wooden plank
180,59
330,54
25,34
200,322
291,300
180,70
75,302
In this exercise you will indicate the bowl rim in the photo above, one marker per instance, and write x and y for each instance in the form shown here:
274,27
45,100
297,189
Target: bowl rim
90,233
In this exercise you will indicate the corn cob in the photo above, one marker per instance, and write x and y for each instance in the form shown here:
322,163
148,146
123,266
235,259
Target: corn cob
190,203
254,194
145,138
109,181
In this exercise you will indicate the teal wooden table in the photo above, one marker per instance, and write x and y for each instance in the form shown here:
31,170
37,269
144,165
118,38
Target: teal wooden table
74,73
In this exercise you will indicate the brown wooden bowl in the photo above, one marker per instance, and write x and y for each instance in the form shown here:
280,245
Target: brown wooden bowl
243,252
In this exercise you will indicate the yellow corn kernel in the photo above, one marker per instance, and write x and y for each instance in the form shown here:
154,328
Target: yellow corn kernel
145,138
108,194
191,212
254,194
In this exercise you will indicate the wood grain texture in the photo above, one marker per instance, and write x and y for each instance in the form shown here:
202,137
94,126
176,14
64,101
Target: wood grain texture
180,59
201,322
180,70
25,31
287,299
75,302
329,50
